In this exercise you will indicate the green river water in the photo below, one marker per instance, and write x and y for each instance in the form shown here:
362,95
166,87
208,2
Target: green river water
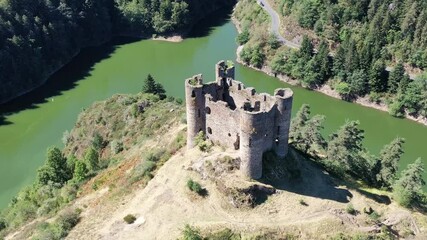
38,120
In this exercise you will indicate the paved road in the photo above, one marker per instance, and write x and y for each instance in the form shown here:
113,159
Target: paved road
275,23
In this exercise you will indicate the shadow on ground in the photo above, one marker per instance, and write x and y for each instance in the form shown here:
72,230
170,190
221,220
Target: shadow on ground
301,176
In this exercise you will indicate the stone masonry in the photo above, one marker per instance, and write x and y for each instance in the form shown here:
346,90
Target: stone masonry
234,116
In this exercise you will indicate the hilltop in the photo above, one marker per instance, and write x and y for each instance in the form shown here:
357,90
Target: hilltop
145,172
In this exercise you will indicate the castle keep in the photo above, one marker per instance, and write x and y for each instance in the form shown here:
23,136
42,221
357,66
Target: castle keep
234,116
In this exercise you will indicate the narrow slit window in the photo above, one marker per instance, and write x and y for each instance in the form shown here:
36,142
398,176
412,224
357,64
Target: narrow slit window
198,112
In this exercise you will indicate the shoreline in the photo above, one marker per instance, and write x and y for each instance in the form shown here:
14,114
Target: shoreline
325,89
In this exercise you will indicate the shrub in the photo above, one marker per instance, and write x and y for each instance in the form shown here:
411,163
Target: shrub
116,146
374,216
194,186
190,233
80,171
302,202
98,142
2,224
350,209
225,234
129,219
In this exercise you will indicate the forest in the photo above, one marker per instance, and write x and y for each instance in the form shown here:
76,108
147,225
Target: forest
39,36
359,48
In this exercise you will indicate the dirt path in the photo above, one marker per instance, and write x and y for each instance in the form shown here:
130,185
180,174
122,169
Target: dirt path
165,205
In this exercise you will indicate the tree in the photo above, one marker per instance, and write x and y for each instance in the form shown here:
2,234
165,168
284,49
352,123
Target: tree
277,63
80,171
98,142
395,78
257,57
344,90
408,188
345,147
322,58
306,50
149,85
55,169
272,41
298,123
378,77
243,37
389,160
311,137
358,81
92,159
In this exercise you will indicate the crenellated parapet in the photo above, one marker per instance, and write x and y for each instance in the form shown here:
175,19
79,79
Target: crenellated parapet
238,117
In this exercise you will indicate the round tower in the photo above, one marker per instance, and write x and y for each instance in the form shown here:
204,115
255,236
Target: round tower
284,98
195,105
251,143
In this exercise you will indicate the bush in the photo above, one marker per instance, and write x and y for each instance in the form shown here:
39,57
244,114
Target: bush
374,216
98,142
194,186
302,202
350,209
190,233
203,144
2,224
116,146
129,219
225,234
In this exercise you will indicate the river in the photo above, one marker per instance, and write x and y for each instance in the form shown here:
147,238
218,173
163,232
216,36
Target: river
38,120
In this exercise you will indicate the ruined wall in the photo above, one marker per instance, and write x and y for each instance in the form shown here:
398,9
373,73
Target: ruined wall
222,124
236,117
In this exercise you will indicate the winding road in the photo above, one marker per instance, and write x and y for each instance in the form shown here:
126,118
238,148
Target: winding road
275,24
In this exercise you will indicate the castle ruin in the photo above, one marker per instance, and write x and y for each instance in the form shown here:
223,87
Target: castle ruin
237,117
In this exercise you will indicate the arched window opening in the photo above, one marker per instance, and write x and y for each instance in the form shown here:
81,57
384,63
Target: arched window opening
209,130
208,110
193,94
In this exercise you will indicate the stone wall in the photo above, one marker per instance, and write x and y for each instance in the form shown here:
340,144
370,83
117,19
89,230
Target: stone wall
237,117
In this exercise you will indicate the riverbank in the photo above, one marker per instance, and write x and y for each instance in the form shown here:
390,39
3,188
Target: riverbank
325,89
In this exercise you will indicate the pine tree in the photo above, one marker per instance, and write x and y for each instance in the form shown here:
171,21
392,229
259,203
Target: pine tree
345,147
149,85
311,137
55,169
358,82
378,77
395,77
408,187
306,50
298,123
80,171
91,159
389,160
324,62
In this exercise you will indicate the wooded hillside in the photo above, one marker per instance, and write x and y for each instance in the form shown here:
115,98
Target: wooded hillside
38,36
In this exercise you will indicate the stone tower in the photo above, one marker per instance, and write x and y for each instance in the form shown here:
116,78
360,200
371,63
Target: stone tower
237,117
